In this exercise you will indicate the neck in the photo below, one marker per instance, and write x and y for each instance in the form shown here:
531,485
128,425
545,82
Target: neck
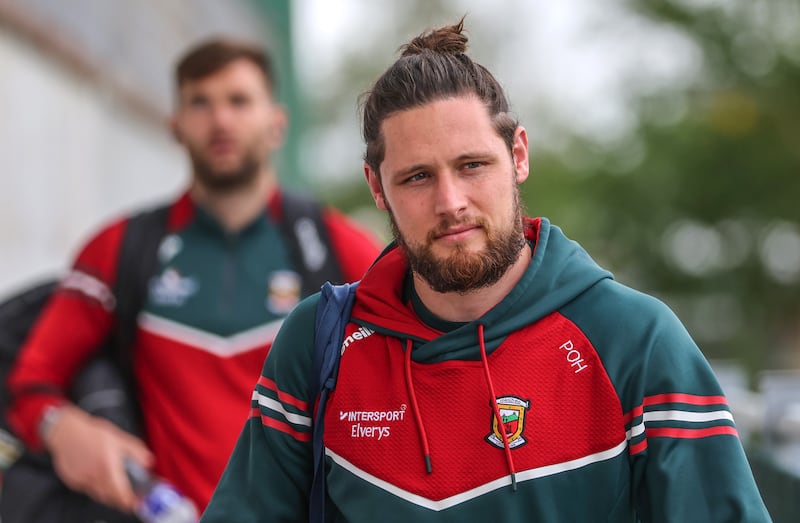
237,207
457,307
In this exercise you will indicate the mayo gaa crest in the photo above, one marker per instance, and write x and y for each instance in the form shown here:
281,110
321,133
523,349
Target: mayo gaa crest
512,411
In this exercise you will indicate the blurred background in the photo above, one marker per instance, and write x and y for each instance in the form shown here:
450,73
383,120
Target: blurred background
665,138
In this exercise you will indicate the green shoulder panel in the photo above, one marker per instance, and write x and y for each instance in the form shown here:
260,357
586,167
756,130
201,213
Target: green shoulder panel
643,345
289,360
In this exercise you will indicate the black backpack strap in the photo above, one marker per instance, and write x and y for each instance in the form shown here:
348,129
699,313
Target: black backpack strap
333,315
138,259
309,243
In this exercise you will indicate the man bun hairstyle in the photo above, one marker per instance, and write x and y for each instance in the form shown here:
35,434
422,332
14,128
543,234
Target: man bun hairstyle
447,40
433,66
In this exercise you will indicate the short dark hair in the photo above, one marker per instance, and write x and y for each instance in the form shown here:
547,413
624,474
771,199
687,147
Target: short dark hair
211,55
433,66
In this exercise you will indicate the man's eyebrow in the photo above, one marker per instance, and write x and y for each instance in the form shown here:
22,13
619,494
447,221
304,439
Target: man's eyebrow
471,155
195,95
410,169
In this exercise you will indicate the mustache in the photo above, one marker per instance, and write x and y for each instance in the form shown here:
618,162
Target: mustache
221,136
448,224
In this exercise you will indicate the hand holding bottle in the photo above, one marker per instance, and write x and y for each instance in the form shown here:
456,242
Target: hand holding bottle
160,502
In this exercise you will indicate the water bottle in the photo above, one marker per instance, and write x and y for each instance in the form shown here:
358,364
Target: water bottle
160,501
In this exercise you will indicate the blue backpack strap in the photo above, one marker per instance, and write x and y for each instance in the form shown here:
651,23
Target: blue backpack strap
333,315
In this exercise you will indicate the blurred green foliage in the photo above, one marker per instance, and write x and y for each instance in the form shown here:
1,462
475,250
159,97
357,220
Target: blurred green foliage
699,205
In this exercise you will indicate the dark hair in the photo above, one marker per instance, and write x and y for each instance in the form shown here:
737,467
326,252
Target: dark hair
433,66
211,55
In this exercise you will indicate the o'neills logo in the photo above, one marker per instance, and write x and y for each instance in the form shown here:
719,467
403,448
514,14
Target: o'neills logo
512,411
360,334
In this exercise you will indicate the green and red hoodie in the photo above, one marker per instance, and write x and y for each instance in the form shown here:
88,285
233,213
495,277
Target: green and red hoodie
574,399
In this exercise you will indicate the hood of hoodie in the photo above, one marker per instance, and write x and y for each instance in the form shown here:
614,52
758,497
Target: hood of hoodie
560,270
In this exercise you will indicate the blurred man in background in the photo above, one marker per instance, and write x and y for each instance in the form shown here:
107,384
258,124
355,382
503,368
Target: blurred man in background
226,274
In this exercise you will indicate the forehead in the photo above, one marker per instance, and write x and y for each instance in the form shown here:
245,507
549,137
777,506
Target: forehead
240,74
443,128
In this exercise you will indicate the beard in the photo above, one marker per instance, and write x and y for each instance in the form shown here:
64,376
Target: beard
464,271
226,180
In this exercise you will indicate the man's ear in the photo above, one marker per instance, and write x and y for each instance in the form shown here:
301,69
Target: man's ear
174,130
280,123
519,154
374,182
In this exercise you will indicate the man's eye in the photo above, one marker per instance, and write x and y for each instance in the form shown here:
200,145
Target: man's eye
240,101
472,165
417,177
198,102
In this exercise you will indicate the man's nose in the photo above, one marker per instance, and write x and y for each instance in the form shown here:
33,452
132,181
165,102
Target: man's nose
221,115
451,198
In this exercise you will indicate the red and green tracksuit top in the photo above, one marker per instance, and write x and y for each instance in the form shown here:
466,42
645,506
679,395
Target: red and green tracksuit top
213,308
610,411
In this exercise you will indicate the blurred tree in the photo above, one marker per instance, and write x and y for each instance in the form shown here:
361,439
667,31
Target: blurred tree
699,206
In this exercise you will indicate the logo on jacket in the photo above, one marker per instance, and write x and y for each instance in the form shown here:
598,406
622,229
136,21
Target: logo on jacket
169,247
171,288
311,247
283,292
512,411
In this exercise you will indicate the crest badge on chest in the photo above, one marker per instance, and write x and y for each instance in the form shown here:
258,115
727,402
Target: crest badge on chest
283,292
512,411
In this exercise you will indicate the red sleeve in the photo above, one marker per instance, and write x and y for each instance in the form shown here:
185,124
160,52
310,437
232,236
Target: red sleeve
356,248
73,324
